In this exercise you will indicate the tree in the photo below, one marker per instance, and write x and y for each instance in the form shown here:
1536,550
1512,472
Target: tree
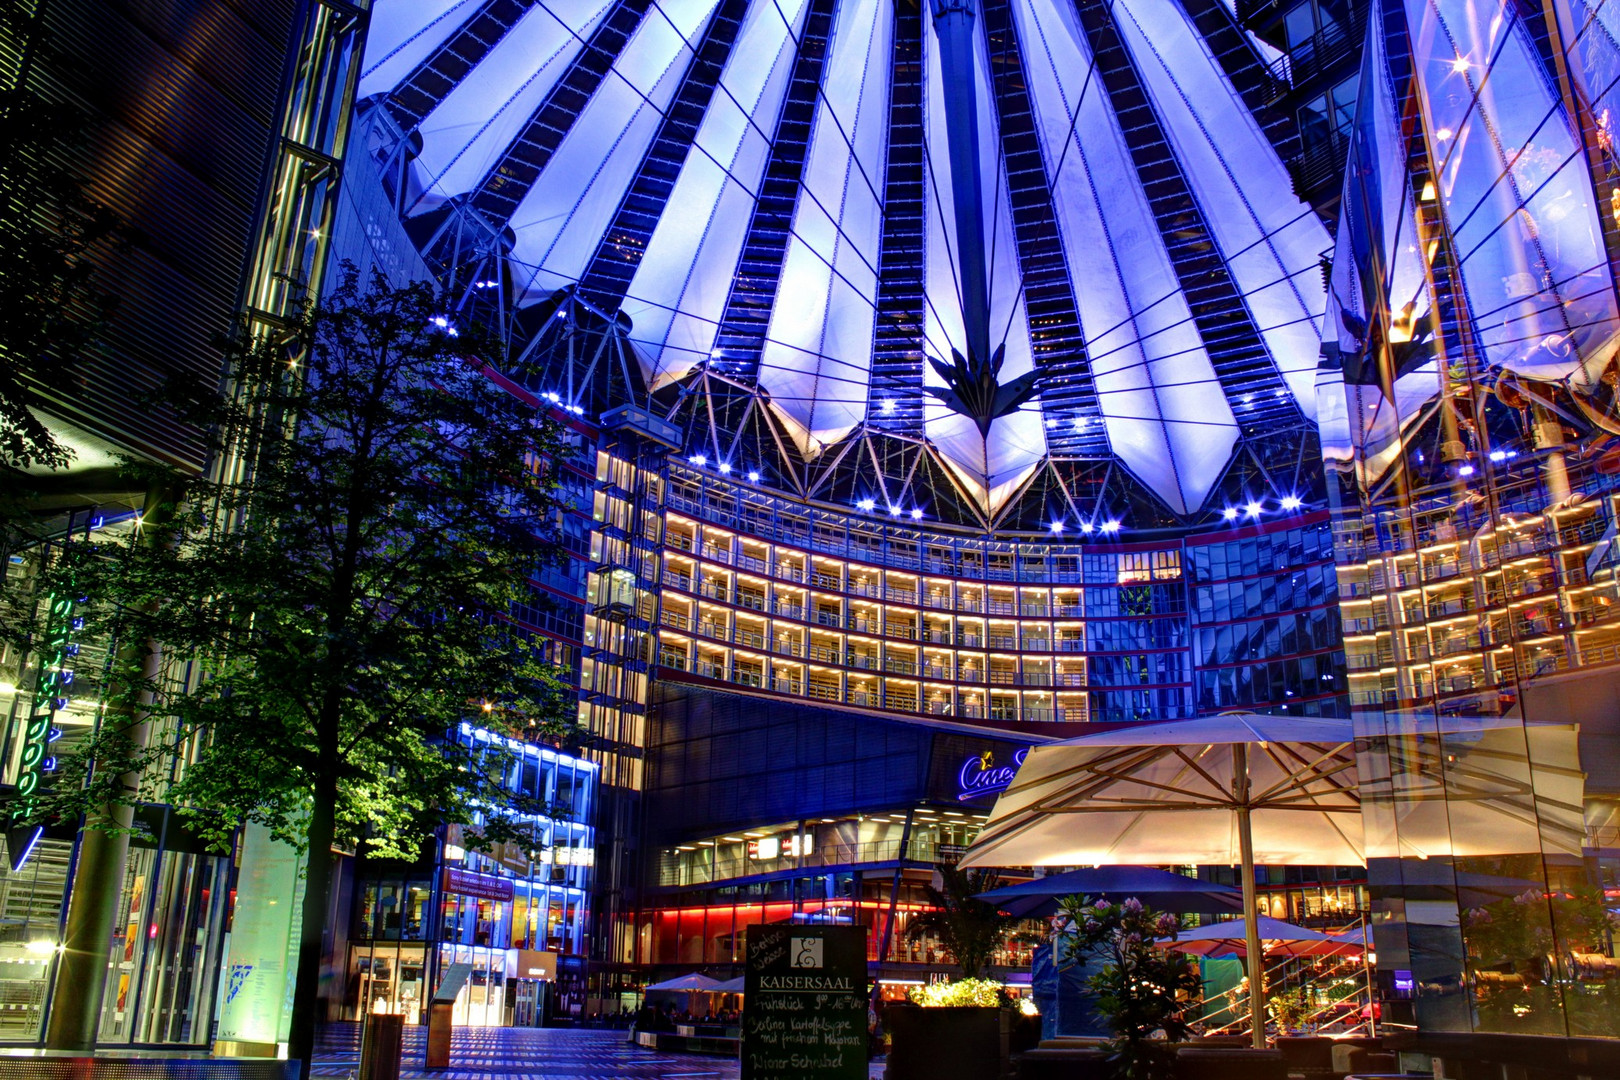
343,601
51,309
969,930
1141,988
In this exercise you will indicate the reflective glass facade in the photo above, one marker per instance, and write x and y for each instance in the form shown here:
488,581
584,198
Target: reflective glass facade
1469,380
771,594
485,909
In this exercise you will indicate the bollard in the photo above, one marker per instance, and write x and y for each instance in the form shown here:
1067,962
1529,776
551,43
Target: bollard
438,1035
381,1046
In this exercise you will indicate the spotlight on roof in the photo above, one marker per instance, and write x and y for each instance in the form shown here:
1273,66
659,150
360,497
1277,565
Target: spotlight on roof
1085,526
893,509
1291,502
1111,525
1466,470
1230,513
699,459
725,467
753,475
886,406
1057,526
916,515
865,504
1254,509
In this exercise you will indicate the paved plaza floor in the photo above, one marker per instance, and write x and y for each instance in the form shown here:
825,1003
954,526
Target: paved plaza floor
532,1054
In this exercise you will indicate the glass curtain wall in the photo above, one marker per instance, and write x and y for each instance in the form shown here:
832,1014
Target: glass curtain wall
1469,414
480,908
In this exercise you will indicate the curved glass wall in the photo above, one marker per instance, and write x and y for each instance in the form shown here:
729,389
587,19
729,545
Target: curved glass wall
1469,409
787,598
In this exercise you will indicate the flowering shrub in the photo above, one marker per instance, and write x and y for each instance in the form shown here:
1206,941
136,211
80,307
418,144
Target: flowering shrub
982,992
1140,989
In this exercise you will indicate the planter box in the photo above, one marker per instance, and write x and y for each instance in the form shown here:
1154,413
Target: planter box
954,1043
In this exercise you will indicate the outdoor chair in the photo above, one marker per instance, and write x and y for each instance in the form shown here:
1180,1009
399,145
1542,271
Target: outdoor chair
1309,1056
1361,1059
1067,1063
1229,1063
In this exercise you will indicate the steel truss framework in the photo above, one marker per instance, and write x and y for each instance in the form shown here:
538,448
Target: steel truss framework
1166,411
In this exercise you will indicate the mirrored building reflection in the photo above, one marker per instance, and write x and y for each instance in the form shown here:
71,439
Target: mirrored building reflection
1468,418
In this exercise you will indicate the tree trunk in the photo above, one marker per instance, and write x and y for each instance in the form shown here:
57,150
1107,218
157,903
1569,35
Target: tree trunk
317,898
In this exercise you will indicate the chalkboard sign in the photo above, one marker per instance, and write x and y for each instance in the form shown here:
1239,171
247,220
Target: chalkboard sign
804,1003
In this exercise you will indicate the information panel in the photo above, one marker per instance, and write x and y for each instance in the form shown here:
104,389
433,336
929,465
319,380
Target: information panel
804,1003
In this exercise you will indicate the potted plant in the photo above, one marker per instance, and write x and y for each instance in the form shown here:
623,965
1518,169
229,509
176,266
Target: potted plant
1289,1009
962,1029
959,1028
1141,988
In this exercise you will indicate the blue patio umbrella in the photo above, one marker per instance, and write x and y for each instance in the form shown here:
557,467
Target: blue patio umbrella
1158,889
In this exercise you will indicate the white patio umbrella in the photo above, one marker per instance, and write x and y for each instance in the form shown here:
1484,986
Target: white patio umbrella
1239,788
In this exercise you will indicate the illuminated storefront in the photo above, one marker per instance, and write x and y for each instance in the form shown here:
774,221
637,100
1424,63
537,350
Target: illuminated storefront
502,918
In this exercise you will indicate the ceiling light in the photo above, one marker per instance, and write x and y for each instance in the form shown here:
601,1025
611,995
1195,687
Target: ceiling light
1290,502
699,459
1111,525
1057,526
1466,470
1459,65
1085,526
1230,513
1254,509
725,467
753,475
916,515
886,406
865,504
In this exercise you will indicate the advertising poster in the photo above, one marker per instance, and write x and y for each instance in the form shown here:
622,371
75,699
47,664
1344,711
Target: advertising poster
259,966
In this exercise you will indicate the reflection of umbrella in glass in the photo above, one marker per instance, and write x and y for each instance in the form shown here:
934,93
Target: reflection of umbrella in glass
730,986
1277,938
1158,889
1223,790
1360,937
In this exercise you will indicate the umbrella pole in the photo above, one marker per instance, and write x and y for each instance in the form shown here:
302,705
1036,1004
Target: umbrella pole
1251,903
1251,927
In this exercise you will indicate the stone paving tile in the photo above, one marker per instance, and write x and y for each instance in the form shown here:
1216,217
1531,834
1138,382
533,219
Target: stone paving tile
532,1054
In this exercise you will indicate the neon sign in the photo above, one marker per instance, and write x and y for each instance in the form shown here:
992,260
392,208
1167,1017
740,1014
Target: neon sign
50,694
983,775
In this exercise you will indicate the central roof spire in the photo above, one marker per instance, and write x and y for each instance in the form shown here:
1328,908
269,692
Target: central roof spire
953,26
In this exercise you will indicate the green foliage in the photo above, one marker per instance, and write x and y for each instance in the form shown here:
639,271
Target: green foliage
1140,988
1289,1009
985,993
340,605
969,930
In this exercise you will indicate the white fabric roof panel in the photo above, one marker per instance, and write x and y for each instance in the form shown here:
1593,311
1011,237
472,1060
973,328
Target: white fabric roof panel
1164,409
